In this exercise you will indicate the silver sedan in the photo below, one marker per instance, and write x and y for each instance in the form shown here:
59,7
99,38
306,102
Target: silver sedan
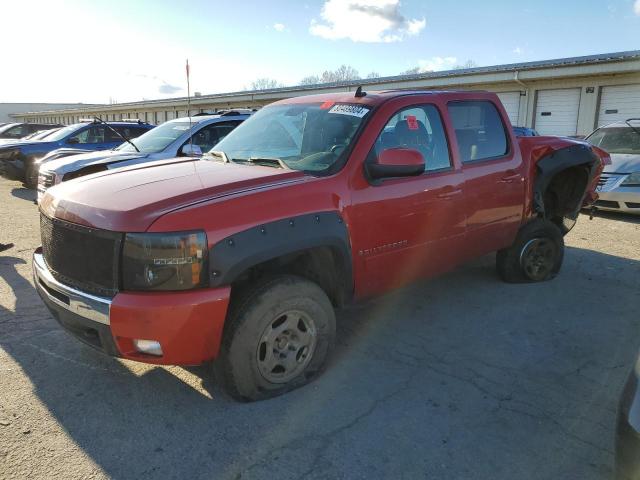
619,186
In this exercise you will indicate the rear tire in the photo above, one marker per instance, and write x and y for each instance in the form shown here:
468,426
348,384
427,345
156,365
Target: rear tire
535,256
278,335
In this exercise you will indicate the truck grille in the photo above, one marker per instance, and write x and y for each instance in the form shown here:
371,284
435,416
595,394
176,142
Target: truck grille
82,257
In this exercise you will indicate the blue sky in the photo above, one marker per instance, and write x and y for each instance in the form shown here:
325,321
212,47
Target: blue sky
124,50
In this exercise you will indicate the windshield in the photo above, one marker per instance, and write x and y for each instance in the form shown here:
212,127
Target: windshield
616,139
63,132
309,137
6,127
40,134
158,139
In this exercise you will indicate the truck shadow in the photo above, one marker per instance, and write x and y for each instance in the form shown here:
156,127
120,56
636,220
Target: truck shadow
24,193
487,366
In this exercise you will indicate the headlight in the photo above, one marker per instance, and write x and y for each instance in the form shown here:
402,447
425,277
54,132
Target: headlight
632,180
165,261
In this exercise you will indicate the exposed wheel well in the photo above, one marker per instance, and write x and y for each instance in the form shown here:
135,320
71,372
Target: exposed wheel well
322,265
564,195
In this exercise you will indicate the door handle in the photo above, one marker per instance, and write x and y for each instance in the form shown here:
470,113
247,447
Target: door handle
510,176
448,192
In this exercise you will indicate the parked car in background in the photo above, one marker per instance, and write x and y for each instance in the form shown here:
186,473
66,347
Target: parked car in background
619,186
312,203
525,132
20,158
169,140
628,429
21,130
40,134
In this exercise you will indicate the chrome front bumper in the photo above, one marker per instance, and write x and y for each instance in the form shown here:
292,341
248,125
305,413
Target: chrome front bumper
90,307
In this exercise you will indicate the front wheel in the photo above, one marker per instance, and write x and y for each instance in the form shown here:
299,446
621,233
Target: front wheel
535,256
278,336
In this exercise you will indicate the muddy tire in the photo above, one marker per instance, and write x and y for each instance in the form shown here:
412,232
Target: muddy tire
535,256
278,335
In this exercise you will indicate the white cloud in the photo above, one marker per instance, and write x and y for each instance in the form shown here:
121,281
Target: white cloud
517,51
365,21
636,7
437,63
278,27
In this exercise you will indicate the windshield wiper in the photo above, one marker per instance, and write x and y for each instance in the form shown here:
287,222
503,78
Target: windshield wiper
632,127
117,133
218,153
268,161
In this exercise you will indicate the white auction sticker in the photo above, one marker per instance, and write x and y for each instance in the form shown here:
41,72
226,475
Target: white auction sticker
353,110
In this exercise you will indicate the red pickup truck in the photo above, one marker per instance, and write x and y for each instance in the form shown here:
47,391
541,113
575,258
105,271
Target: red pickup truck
312,203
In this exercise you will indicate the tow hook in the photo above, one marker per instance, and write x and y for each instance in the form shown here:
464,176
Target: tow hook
592,211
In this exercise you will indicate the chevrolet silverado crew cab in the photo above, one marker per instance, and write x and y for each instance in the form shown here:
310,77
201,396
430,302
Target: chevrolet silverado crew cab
310,204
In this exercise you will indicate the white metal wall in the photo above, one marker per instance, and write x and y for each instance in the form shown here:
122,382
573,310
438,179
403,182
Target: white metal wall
619,102
511,102
557,111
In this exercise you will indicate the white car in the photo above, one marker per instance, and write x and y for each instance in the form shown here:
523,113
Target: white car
619,186
172,139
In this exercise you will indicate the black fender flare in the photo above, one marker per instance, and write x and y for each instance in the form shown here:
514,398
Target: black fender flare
237,253
557,161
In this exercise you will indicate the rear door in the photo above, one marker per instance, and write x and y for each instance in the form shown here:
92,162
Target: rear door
493,174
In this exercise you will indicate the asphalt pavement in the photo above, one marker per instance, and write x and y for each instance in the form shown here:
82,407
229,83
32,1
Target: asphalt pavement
461,377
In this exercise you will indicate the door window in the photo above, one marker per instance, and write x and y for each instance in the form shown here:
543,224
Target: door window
18,131
90,135
480,133
420,128
210,135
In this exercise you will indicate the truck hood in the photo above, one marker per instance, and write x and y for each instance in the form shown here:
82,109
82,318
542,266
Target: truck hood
623,163
75,162
132,198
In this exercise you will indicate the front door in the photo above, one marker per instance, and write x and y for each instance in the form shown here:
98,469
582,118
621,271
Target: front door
406,228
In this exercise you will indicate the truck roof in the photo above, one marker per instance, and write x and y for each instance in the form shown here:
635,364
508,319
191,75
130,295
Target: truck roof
376,97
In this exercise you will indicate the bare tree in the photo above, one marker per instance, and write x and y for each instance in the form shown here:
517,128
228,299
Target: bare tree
411,71
467,64
265,84
373,75
310,80
343,73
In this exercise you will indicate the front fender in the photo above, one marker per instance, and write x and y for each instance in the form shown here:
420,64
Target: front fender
233,255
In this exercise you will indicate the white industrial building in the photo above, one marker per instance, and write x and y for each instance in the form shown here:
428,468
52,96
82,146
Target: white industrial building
568,96
8,110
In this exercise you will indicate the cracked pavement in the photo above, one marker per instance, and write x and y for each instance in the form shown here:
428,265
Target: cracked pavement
459,377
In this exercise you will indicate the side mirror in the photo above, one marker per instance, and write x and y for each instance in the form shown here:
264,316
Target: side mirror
73,141
397,162
191,150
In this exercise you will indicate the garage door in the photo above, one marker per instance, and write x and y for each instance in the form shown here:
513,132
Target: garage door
557,111
511,102
618,103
